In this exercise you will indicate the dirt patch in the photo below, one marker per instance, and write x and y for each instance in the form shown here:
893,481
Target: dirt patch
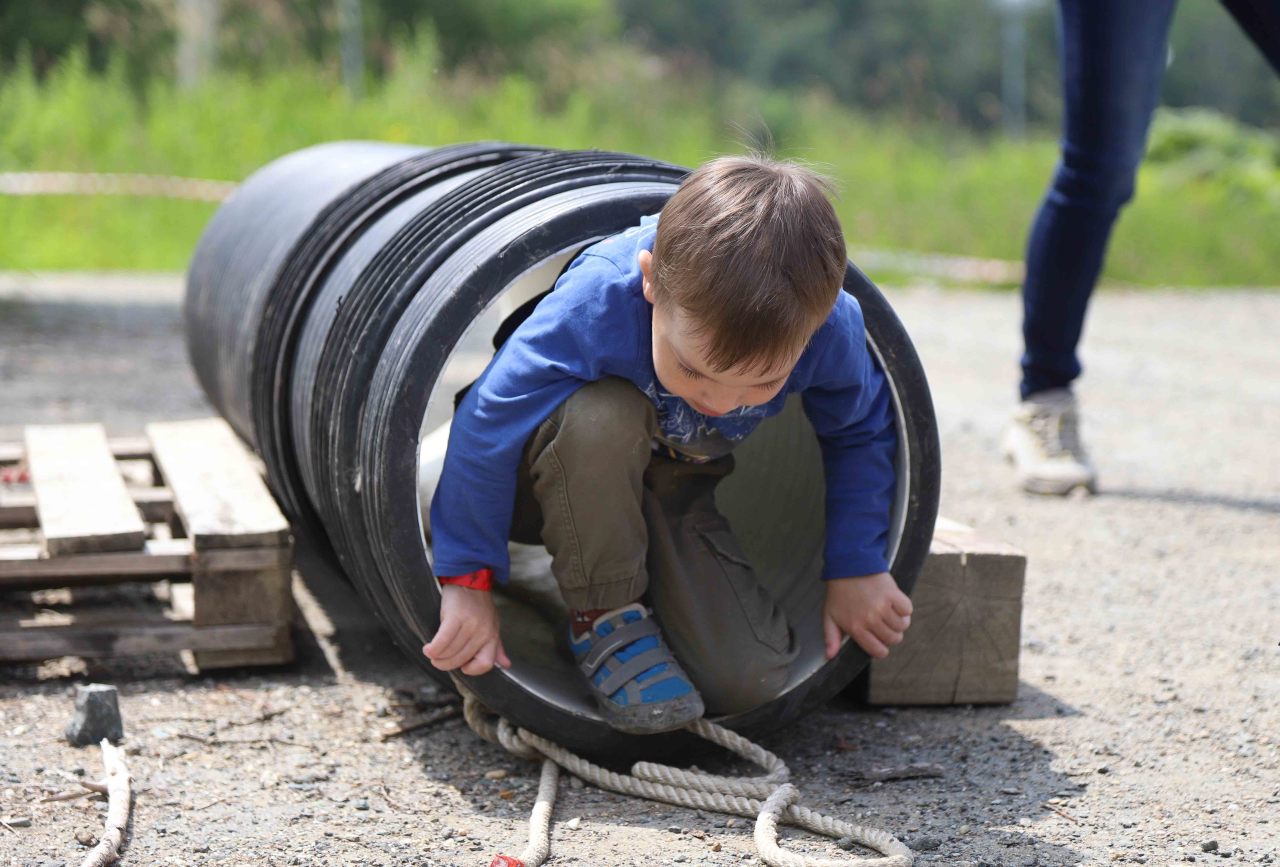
1145,729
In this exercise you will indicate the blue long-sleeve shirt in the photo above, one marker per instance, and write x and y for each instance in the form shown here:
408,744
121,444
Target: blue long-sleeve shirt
597,323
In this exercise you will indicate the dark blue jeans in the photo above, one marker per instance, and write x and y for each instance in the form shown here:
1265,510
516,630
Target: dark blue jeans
1113,55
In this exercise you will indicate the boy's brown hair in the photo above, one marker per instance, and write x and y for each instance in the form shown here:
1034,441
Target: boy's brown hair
751,250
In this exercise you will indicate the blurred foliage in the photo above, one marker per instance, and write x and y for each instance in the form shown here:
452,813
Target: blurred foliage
933,60
904,185
1201,146
921,59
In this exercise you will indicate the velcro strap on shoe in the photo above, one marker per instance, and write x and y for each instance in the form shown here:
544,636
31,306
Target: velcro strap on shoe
633,666
604,647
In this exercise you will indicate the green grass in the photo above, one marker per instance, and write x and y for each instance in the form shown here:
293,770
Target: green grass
901,186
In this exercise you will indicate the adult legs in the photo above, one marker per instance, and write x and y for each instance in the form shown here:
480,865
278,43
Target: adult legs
1113,54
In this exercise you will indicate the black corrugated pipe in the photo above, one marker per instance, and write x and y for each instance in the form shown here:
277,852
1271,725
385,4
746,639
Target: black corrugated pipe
335,305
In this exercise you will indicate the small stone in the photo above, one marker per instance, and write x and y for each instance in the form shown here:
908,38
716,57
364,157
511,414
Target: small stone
679,859
201,847
360,804
447,833
963,829
86,838
674,829
925,844
715,847
573,824
1104,769
1209,846
506,794
310,775
845,843
496,774
97,715
575,783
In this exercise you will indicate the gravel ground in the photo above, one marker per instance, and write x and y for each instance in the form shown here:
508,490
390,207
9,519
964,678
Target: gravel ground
1148,719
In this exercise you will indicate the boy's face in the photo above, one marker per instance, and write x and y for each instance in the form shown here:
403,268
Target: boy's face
680,362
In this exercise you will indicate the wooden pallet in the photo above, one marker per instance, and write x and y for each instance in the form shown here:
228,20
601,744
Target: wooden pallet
185,505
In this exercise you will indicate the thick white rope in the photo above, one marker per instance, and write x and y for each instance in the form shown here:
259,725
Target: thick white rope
769,799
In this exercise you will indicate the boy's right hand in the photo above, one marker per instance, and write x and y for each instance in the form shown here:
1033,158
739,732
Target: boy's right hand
468,636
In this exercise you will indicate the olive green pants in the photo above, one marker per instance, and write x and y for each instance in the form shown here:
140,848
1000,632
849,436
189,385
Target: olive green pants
622,523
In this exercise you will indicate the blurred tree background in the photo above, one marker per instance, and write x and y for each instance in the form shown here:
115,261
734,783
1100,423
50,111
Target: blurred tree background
915,106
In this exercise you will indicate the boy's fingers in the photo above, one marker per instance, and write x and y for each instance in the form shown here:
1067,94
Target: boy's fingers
481,662
897,623
461,653
443,638
831,635
501,658
902,604
870,644
886,633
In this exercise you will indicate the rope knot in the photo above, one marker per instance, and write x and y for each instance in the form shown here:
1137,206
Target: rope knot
769,798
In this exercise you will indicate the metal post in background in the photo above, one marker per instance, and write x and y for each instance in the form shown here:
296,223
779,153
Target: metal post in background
351,38
197,40
1013,78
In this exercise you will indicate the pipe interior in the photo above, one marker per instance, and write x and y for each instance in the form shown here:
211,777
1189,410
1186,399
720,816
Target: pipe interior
774,501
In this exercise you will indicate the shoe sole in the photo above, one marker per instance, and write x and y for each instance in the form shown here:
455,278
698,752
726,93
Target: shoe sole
653,719
1057,489
1048,488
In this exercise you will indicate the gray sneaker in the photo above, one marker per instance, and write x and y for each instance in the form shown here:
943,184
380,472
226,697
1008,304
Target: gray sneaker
1042,440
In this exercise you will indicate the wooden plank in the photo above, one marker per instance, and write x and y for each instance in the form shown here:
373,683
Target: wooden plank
216,491
277,651
80,496
127,637
122,449
964,640
23,566
19,509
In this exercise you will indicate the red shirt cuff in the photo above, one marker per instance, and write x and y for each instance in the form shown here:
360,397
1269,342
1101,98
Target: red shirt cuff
481,579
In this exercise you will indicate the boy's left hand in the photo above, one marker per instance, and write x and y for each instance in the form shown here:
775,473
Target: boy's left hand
870,609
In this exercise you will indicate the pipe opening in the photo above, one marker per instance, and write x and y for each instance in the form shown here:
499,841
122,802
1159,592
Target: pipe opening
774,501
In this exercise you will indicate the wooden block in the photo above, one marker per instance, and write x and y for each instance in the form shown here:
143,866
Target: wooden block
219,596
964,640
80,497
217,492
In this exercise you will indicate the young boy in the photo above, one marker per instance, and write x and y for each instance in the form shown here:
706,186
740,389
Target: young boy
604,423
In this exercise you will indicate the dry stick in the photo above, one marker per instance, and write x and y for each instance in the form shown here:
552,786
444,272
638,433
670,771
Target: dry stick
92,789
905,772
119,798
220,742
1063,813
212,803
386,796
262,717
432,718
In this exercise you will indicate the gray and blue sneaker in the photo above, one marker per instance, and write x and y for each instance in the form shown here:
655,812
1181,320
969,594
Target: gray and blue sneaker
636,681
